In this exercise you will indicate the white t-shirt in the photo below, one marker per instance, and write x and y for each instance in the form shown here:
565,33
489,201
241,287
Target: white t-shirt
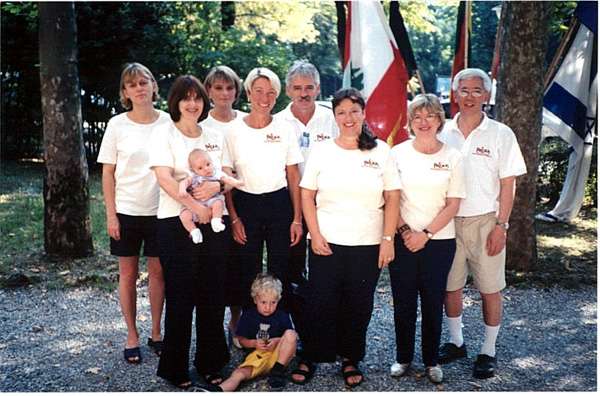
321,127
350,185
221,126
491,152
427,180
259,156
126,144
171,148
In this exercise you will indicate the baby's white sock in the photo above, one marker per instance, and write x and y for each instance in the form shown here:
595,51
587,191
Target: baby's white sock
217,224
196,235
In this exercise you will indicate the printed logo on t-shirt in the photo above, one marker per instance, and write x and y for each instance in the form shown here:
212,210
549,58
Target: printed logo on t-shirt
440,166
321,137
211,147
272,138
370,164
484,151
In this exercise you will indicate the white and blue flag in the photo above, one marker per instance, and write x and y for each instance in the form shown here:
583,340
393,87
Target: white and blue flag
570,104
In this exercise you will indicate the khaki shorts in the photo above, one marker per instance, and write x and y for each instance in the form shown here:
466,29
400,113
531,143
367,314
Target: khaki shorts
471,256
261,361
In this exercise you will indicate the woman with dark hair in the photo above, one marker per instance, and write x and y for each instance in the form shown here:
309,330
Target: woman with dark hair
350,201
194,273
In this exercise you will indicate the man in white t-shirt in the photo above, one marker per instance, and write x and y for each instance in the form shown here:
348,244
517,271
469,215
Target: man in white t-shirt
492,161
312,124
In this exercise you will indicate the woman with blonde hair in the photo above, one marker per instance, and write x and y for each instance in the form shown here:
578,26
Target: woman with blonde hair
131,199
432,185
224,88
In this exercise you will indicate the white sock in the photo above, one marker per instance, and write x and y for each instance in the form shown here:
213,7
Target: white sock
196,235
217,224
455,329
489,343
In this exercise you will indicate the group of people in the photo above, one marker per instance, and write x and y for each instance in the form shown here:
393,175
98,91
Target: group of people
210,190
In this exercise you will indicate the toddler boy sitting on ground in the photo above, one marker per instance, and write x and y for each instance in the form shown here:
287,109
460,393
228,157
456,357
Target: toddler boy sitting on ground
267,330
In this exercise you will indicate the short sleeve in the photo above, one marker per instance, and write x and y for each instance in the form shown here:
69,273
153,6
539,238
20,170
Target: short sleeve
391,178
457,187
286,322
511,159
311,169
160,152
108,148
246,325
226,155
294,155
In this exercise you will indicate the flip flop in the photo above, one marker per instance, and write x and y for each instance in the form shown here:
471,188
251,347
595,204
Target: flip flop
351,373
308,374
213,379
157,346
132,355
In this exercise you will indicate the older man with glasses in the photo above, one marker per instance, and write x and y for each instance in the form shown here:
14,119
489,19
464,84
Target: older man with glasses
492,161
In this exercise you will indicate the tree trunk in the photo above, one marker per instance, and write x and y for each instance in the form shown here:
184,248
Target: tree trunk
227,14
519,105
66,199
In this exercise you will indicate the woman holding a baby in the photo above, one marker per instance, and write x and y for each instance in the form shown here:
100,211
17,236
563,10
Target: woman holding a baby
193,259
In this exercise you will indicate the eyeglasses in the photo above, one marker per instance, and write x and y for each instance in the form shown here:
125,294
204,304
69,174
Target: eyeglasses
429,118
463,93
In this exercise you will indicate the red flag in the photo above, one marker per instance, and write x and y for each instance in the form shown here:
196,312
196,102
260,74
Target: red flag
373,64
462,46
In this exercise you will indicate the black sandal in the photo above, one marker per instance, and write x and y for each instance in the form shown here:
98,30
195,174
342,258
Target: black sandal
213,379
156,346
351,373
132,355
308,374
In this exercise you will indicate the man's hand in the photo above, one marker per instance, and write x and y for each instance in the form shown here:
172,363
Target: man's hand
496,241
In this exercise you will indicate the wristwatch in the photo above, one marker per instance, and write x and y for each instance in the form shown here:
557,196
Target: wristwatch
503,225
428,233
221,186
387,238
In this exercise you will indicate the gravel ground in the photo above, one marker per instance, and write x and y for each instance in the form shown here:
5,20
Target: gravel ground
71,340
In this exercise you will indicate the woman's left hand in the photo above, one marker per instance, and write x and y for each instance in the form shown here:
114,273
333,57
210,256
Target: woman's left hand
296,232
386,253
415,240
206,190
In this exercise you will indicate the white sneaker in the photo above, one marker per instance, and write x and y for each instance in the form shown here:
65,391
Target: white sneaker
196,235
399,369
435,374
217,224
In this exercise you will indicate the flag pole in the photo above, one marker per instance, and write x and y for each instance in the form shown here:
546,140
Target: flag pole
467,30
560,52
418,73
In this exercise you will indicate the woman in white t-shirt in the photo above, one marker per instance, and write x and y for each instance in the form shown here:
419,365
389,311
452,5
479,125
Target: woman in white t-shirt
350,201
131,199
194,273
224,88
264,153
433,184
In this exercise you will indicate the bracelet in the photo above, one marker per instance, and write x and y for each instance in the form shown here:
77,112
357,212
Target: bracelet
404,227
235,221
295,222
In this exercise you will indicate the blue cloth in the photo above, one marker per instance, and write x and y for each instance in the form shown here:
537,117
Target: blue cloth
250,321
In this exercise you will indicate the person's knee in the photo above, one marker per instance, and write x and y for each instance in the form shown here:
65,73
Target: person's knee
290,337
491,297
